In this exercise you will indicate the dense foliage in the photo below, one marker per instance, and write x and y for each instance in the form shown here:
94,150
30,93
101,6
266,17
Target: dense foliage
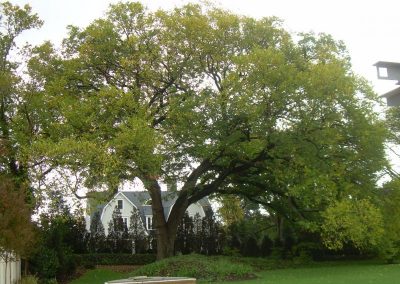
61,235
90,260
200,267
218,102
215,102
16,202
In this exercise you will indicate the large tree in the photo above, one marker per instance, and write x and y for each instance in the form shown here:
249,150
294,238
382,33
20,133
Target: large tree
17,120
17,129
206,98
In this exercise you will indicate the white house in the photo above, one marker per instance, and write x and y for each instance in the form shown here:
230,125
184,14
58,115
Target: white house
126,201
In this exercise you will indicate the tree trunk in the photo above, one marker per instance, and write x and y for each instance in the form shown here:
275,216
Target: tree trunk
166,230
26,266
165,242
281,236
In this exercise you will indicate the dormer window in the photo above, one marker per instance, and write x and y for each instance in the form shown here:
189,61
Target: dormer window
120,204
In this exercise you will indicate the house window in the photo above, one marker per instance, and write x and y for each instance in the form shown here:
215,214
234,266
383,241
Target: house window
120,204
149,222
125,220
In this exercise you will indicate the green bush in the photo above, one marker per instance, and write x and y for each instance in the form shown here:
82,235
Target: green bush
203,268
303,252
229,251
266,246
389,251
46,263
277,253
92,259
67,263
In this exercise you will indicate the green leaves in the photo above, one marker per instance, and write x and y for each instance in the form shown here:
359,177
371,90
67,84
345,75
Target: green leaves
357,222
16,229
137,144
218,102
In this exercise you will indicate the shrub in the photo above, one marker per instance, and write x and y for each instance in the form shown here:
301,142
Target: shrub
90,260
266,246
304,252
251,247
203,268
46,263
277,253
229,251
390,251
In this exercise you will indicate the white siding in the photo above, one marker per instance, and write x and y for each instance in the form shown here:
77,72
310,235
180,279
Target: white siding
10,271
194,209
109,208
87,222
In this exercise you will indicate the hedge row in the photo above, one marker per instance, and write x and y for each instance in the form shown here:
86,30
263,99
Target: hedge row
114,259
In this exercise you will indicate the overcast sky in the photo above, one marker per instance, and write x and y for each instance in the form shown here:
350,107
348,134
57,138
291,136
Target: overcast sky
370,29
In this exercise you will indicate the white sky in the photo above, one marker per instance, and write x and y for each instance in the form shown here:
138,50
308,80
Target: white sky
369,28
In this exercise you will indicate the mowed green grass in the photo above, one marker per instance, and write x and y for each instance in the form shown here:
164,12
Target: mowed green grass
99,276
346,273
318,273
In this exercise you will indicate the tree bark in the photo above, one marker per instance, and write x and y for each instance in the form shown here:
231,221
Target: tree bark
165,236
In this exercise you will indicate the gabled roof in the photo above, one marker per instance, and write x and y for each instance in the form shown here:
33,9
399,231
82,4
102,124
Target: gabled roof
139,198
392,97
391,93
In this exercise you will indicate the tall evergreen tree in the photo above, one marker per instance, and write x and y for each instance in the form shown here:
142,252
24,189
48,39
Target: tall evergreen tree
117,233
97,235
211,234
185,235
137,232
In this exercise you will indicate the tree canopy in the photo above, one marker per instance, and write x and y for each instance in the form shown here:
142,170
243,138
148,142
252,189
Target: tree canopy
16,131
216,102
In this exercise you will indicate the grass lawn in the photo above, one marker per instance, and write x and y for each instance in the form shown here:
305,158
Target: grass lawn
318,273
99,276
346,273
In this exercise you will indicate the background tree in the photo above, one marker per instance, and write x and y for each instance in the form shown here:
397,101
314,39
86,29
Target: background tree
220,103
198,241
211,234
97,235
137,232
17,233
388,200
17,129
185,235
231,210
117,238
18,124
61,234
